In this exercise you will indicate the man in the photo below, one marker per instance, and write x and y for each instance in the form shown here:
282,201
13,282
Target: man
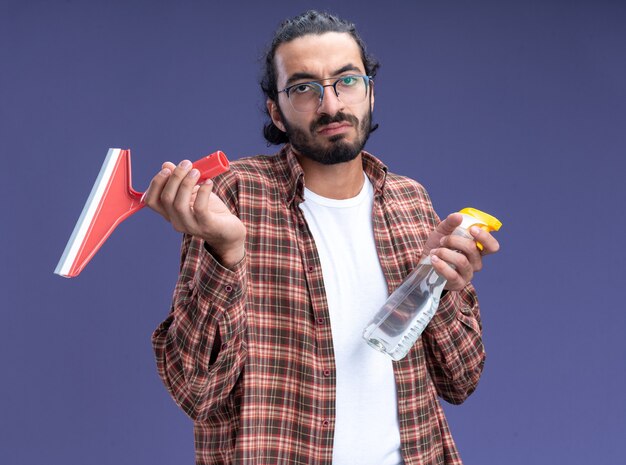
286,258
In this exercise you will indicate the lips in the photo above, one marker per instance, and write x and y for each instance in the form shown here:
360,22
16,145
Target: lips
327,125
334,128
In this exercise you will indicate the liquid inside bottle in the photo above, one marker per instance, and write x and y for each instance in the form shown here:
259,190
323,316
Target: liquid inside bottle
407,312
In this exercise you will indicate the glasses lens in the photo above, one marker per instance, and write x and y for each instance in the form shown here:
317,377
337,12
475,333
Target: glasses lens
352,89
305,97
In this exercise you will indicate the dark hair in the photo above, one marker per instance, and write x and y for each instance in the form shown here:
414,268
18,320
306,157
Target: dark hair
310,22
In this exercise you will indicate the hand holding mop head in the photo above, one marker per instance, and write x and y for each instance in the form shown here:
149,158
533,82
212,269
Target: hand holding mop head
111,201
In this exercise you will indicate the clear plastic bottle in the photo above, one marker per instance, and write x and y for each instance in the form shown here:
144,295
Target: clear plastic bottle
409,309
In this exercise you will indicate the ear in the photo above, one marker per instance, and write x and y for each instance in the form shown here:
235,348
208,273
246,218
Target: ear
272,109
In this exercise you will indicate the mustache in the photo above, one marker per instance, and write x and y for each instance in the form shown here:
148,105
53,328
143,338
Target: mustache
337,118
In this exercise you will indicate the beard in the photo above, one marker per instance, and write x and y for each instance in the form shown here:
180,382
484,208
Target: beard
337,149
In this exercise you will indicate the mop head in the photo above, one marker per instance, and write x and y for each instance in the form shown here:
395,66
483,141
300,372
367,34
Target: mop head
111,201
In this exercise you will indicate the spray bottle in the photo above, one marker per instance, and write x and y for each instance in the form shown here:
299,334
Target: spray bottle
409,309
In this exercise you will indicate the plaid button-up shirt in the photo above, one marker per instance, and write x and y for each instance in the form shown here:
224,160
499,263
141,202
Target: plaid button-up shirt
247,352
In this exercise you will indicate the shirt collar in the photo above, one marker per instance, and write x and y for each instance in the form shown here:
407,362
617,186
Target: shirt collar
293,175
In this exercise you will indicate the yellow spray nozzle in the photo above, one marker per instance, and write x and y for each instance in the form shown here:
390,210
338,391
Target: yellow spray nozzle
486,222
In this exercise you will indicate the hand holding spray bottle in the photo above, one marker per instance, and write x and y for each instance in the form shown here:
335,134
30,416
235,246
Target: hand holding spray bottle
409,309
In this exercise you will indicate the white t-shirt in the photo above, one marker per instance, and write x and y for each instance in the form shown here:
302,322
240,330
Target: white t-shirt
366,426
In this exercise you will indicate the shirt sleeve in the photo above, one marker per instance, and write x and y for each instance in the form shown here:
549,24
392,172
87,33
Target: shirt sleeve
453,343
455,354
200,348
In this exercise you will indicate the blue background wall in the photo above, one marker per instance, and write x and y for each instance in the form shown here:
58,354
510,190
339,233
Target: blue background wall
517,108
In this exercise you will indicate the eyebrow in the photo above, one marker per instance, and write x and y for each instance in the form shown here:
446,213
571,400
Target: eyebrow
302,75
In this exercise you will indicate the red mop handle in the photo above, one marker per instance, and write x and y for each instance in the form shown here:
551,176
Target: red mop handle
211,165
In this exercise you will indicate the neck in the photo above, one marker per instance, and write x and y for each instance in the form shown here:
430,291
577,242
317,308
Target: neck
339,181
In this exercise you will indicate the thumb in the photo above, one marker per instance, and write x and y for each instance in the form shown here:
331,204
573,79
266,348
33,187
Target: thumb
444,228
447,226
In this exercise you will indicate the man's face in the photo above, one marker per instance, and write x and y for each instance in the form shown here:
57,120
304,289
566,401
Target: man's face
334,132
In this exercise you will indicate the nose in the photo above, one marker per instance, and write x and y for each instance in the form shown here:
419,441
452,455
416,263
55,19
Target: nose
330,104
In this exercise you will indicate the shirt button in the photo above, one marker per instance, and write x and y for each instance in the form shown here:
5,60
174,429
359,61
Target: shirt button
320,321
326,423
310,268
224,346
326,372
228,288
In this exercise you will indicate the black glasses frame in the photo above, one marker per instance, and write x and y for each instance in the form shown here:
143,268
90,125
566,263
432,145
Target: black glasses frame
288,89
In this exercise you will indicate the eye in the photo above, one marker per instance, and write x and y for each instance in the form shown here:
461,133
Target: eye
349,81
302,89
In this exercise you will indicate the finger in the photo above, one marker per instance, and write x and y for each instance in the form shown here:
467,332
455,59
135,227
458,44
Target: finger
444,228
170,190
201,204
194,194
447,226
152,196
184,214
490,244
465,246
454,282
458,261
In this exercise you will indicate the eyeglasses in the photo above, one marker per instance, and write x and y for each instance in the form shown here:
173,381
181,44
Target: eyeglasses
308,96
